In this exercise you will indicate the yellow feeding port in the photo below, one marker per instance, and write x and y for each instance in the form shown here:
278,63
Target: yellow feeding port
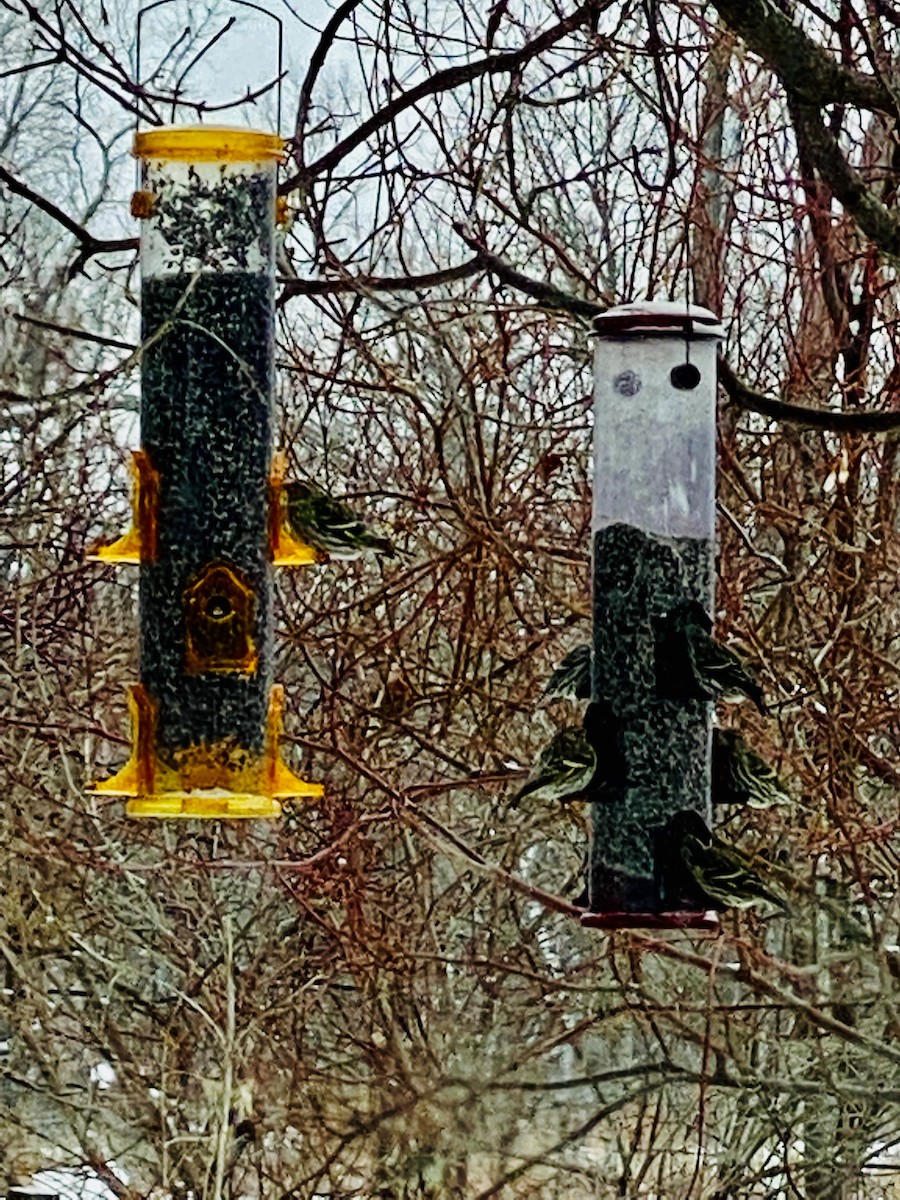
208,143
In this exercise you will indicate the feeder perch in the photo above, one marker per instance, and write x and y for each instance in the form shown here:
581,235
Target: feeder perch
287,551
142,204
654,545
207,526
139,543
282,212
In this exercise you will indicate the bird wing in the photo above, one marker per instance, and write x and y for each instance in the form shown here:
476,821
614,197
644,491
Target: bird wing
338,519
726,876
756,778
573,675
721,670
564,770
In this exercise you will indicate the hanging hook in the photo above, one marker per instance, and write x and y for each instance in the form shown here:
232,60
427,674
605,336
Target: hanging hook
685,376
243,4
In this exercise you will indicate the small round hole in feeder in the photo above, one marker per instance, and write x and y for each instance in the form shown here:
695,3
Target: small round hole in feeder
219,616
685,377
218,608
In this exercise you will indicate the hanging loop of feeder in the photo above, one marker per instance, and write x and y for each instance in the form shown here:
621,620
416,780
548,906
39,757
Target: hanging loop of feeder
142,12
685,377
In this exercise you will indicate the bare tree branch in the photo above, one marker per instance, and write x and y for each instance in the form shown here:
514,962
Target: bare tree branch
443,81
805,68
89,246
798,414
873,218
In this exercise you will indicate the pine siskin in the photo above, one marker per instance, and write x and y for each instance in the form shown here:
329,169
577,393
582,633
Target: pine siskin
698,868
573,675
564,769
692,665
328,524
742,776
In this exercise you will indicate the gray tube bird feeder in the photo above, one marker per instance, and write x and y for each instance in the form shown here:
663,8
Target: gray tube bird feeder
208,514
653,550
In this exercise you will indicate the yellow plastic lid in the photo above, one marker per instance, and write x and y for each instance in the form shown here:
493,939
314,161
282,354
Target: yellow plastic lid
208,143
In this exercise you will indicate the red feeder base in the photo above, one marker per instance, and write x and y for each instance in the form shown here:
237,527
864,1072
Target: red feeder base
708,920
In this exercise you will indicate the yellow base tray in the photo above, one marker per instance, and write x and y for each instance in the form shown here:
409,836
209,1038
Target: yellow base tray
201,787
212,804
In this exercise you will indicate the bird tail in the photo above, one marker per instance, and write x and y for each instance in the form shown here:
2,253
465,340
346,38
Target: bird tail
531,786
784,909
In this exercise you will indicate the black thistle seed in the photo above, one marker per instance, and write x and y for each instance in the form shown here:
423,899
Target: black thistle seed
217,223
206,423
663,742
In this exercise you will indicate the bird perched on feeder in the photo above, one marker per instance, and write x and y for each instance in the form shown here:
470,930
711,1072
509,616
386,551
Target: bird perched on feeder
692,665
573,675
568,766
694,867
327,524
564,769
742,776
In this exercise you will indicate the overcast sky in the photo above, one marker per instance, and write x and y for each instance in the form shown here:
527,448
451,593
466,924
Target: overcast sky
243,59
